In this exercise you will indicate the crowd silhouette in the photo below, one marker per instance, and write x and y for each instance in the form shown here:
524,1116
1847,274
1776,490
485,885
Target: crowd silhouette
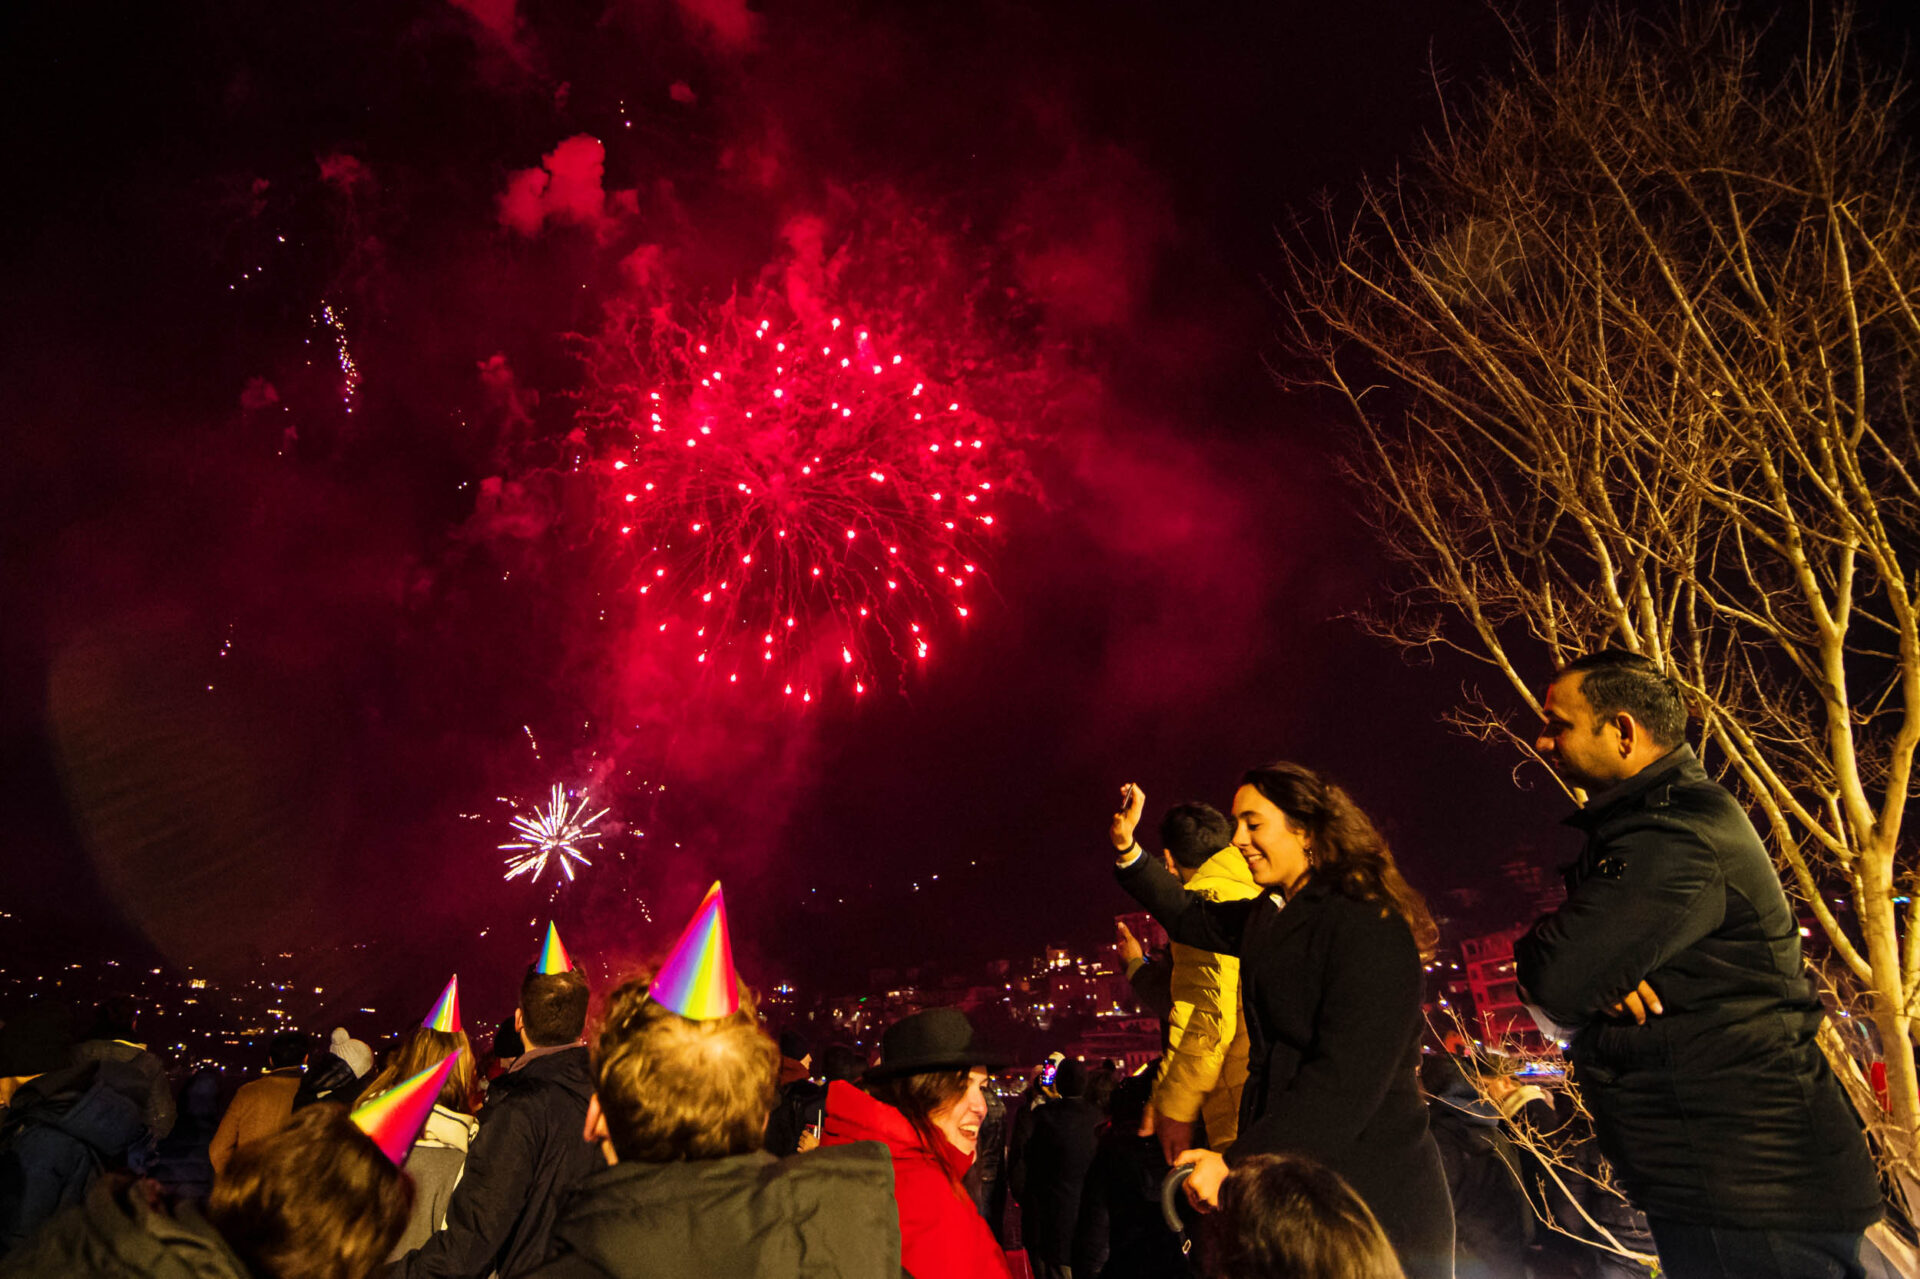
1301,1120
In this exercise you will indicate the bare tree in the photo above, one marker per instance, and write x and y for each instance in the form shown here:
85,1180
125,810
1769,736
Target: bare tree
1629,359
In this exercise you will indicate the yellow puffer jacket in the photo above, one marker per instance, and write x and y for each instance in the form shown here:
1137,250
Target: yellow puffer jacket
1205,1070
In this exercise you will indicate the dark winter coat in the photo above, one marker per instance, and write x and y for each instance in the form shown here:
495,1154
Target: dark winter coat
1719,1111
61,1131
1122,1233
528,1154
160,1108
120,1231
827,1214
801,1103
986,1180
1492,1219
1330,988
1051,1174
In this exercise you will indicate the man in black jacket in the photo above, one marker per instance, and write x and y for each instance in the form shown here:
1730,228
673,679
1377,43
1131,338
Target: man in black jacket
1675,965
530,1149
1052,1172
680,1105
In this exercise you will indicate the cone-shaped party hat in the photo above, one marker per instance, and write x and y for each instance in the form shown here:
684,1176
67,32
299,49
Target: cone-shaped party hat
393,1119
553,956
697,980
446,1014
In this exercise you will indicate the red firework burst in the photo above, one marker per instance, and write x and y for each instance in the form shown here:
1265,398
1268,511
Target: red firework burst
802,506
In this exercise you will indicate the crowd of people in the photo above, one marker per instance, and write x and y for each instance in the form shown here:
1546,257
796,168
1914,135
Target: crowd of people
1297,1123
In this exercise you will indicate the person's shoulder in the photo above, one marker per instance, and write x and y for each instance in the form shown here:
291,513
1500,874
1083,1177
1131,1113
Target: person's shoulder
856,1163
1688,813
1370,925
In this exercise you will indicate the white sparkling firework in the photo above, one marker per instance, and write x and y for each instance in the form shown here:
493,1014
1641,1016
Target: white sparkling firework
349,371
553,834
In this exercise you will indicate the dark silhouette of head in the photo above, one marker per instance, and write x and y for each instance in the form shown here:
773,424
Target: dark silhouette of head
839,1062
116,1018
1072,1078
287,1049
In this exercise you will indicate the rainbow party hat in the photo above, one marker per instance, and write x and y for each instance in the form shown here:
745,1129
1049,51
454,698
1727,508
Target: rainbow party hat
446,1014
697,981
553,956
394,1118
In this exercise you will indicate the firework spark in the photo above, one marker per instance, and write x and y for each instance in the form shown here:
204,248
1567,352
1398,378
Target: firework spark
349,371
553,834
801,505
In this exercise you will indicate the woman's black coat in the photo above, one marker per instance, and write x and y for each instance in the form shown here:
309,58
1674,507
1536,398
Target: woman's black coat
1330,987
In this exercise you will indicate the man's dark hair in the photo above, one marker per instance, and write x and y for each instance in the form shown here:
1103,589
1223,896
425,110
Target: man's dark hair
115,1018
553,1008
1195,832
288,1048
1618,681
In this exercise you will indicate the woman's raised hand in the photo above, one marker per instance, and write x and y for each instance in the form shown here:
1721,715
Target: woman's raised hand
1133,802
1209,1170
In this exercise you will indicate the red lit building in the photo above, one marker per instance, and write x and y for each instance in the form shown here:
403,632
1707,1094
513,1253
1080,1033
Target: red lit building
1499,1016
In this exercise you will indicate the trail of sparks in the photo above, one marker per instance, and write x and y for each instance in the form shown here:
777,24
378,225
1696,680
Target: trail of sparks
349,371
552,834
799,504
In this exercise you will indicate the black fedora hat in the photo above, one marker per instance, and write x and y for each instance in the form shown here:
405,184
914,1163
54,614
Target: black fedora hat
937,1039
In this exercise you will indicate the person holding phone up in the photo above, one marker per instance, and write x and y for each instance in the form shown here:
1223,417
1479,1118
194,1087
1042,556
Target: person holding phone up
1331,982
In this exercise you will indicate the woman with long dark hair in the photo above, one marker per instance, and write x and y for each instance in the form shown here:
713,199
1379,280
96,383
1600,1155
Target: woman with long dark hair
1331,979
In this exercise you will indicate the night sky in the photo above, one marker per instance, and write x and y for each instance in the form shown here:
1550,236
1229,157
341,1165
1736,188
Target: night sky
186,502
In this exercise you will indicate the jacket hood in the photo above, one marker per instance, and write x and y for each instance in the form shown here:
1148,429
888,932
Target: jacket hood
101,1104
1226,864
820,1213
448,1129
567,1068
125,1221
854,1116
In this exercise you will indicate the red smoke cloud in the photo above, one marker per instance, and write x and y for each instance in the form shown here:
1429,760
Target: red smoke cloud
727,22
566,188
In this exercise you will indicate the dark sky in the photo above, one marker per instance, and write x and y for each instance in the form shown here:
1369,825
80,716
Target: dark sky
191,183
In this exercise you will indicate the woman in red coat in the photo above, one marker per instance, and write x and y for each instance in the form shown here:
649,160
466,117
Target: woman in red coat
924,1101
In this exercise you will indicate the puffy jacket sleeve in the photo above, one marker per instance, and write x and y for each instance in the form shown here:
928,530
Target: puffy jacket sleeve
495,1185
1369,1013
1190,918
1151,981
1657,890
1206,1012
226,1136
